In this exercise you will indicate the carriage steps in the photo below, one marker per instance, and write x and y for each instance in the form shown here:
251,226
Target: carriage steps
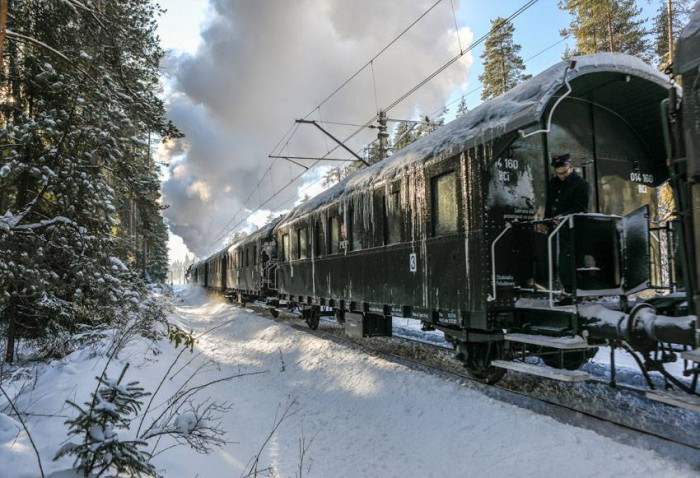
675,398
543,371
569,344
562,343
691,355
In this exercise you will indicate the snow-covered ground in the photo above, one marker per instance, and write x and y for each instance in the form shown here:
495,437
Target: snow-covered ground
358,415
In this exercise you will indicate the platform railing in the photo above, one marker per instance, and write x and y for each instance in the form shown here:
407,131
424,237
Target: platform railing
550,263
550,256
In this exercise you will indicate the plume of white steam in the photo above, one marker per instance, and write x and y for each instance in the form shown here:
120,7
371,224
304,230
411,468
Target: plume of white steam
263,64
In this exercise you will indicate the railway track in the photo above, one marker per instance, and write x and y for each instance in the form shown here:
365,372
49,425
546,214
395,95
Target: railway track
614,413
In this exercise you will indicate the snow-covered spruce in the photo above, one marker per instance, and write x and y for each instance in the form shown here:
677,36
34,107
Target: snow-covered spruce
98,448
78,185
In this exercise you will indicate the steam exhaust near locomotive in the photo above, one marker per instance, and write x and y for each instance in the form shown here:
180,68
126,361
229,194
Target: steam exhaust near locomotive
451,230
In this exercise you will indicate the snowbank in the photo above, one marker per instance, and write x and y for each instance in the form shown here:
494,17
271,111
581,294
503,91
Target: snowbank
367,416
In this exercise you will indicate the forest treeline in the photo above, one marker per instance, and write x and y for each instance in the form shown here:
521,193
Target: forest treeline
81,230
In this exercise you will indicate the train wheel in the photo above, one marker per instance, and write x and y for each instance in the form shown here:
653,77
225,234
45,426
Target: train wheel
478,361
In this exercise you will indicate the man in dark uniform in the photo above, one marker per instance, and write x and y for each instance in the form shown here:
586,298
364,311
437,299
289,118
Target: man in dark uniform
567,193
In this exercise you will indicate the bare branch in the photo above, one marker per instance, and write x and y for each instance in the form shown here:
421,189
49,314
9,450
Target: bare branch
19,36
288,412
178,400
29,435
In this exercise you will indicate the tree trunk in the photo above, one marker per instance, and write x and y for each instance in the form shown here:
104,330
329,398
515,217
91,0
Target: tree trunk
3,29
610,29
11,331
670,32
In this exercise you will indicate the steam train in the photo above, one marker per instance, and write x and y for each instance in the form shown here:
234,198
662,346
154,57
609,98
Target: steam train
450,229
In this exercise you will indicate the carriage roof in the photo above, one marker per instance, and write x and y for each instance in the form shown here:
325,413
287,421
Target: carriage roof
261,233
519,108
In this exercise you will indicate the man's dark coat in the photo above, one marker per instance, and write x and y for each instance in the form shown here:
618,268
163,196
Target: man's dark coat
568,196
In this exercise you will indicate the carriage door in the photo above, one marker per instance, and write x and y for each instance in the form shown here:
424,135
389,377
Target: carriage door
224,270
637,264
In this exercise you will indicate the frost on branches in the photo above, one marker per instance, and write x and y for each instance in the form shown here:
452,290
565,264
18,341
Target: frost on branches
99,449
78,185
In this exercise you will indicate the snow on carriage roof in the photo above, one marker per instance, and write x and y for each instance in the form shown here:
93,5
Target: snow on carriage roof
257,234
518,108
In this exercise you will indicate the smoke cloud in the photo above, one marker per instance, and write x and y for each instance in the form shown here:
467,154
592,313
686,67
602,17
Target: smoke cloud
263,64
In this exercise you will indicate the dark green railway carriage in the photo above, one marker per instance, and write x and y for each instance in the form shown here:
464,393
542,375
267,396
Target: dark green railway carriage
248,267
426,233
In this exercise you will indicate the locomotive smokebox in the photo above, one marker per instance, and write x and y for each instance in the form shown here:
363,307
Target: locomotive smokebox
642,327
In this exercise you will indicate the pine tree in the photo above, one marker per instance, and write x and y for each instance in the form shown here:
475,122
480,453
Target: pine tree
83,99
337,174
680,11
405,133
503,66
606,25
461,107
429,125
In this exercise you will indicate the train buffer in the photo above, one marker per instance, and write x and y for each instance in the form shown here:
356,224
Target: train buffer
543,371
675,398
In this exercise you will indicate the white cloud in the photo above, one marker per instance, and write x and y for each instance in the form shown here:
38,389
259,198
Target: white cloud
260,65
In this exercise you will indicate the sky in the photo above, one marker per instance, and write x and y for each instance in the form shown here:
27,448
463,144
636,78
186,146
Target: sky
238,73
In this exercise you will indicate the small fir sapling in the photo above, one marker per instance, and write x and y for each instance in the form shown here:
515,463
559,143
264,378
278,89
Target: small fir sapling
100,449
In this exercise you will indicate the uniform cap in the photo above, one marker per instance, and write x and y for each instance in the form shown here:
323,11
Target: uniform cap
562,160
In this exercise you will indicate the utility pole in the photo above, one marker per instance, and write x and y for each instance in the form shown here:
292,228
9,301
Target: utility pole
382,136
3,30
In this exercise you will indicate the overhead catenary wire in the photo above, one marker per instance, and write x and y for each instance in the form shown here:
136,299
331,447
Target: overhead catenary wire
292,130
474,90
454,17
363,67
447,105
473,45
400,99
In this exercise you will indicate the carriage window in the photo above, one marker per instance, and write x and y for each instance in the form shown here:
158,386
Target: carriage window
303,243
318,239
444,196
334,235
255,255
285,247
392,219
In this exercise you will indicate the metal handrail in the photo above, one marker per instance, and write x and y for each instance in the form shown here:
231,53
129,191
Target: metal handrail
550,263
493,261
549,255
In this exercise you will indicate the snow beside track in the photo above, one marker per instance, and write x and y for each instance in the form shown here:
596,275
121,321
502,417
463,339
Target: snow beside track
370,417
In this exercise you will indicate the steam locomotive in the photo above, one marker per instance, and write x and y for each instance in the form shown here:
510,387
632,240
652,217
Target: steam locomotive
450,229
